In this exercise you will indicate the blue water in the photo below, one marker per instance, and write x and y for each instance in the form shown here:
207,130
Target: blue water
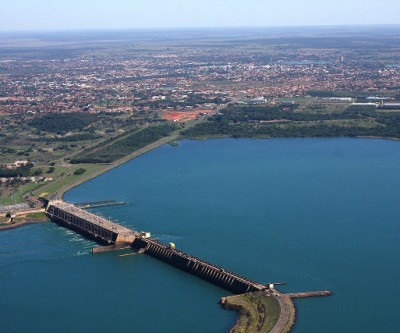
316,213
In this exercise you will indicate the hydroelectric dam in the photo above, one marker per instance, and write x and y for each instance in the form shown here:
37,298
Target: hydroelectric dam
117,236
114,236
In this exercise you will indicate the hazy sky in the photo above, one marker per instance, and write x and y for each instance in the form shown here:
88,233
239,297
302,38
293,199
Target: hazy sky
125,14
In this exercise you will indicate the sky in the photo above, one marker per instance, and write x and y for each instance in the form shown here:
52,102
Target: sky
33,15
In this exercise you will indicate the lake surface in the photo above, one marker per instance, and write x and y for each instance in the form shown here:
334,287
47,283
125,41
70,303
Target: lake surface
315,213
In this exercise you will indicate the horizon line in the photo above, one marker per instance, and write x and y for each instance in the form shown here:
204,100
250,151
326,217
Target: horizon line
355,25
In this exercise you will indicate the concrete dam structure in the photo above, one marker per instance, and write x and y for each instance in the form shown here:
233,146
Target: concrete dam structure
198,267
117,237
88,224
107,232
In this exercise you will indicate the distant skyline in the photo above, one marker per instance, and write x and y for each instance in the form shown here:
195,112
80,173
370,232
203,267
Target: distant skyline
33,15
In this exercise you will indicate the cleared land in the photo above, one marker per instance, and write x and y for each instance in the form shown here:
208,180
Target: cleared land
181,116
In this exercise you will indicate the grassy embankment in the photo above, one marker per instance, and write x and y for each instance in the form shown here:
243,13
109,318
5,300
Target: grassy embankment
110,155
95,159
259,313
99,158
68,184
22,219
64,175
37,216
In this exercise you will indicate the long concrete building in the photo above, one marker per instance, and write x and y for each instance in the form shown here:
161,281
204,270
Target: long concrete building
91,225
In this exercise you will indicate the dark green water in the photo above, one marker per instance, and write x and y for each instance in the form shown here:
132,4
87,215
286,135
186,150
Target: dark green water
316,213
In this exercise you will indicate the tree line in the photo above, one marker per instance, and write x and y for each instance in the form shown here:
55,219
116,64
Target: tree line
120,148
238,121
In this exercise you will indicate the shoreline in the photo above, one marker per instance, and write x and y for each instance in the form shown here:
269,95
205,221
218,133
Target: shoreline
261,312
286,317
176,138
20,224
20,219
60,193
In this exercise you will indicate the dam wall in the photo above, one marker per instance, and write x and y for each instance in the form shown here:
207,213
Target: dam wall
223,278
117,236
88,224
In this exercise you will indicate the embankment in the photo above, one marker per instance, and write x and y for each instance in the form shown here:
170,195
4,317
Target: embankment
260,312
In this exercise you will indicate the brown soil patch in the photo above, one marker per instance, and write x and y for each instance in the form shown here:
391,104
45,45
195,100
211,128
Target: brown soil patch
183,116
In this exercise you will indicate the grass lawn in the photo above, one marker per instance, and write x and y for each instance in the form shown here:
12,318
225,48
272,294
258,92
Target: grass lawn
4,220
39,216
17,195
63,176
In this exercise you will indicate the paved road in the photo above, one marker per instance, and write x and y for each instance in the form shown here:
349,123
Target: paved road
286,317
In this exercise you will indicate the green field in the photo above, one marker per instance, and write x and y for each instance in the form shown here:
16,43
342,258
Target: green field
65,176
37,216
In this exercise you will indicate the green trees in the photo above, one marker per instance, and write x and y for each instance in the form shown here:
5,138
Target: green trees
63,122
124,146
79,171
255,121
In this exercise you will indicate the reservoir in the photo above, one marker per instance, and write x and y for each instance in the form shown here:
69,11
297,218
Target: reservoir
319,214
